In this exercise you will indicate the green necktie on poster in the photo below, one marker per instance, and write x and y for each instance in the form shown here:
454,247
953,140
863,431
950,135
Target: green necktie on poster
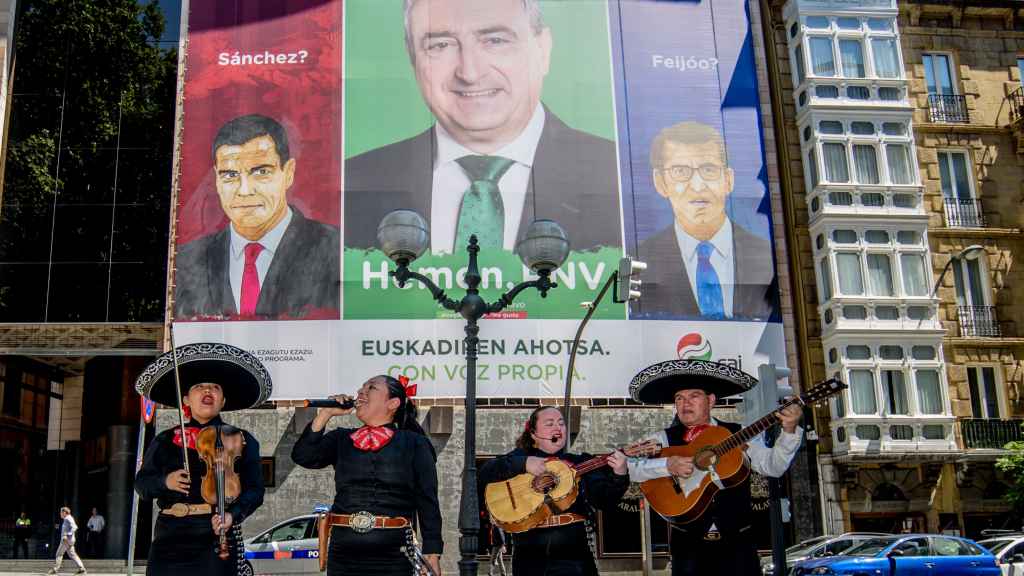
482,212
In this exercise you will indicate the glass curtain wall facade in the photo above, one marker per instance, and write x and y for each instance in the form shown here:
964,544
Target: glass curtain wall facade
84,219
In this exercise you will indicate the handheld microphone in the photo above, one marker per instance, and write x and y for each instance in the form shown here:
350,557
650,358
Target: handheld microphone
328,403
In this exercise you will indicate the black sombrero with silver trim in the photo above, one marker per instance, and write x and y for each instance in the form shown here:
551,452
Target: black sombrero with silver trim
659,383
244,379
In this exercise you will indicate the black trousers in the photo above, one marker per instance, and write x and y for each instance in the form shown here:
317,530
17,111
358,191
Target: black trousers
733,554
188,547
559,551
378,552
94,544
23,544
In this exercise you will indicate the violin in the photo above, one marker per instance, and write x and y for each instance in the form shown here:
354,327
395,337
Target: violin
219,447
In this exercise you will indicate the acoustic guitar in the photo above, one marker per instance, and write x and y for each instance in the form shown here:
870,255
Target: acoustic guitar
521,502
718,462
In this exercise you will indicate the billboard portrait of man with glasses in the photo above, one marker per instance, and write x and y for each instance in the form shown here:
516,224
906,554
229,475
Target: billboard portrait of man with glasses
703,266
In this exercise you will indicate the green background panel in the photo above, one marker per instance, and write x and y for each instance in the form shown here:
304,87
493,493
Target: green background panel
383,103
372,300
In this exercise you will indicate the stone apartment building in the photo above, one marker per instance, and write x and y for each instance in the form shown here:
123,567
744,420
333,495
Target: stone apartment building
898,144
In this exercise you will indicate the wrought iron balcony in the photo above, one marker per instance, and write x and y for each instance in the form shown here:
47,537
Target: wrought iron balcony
948,108
978,321
964,213
990,432
1016,99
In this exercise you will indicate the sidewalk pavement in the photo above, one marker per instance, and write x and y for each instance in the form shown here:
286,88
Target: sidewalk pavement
39,566
65,571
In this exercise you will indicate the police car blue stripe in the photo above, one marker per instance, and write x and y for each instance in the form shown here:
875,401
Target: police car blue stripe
293,555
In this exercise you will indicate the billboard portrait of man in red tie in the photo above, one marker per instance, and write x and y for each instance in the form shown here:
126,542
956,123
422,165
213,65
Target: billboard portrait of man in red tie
270,261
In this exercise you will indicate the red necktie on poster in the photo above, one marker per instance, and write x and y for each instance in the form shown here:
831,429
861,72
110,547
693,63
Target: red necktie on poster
250,279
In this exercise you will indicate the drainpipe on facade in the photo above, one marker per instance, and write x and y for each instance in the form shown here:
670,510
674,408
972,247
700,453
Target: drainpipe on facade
794,262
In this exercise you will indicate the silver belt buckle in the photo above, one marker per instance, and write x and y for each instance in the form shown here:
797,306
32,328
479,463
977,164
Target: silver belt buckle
362,522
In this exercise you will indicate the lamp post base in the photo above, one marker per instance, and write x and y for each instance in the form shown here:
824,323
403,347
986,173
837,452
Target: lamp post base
468,546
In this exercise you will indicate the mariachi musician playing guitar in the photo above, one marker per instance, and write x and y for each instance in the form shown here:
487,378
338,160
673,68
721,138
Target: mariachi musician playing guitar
720,541
561,544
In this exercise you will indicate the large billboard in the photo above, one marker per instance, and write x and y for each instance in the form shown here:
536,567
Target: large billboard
634,124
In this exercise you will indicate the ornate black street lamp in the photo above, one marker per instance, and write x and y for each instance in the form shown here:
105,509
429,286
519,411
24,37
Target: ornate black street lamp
403,235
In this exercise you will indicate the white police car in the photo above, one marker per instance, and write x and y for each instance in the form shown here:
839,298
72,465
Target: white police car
290,547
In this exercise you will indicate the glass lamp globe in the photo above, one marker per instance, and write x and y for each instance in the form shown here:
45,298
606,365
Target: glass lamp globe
972,252
403,235
544,247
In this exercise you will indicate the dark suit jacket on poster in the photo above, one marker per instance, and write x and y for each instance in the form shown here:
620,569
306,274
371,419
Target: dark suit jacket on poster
666,285
574,182
303,279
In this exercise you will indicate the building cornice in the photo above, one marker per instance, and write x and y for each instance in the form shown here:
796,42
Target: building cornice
894,456
951,128
979,342
979,233
81,339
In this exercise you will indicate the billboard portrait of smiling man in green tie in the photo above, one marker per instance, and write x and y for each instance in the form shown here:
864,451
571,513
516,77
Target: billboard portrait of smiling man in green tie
496,157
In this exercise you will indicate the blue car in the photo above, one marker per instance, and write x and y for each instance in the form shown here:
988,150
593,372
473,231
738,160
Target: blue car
906,555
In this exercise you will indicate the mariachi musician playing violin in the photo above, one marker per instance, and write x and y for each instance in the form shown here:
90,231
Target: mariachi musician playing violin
561,545
193,536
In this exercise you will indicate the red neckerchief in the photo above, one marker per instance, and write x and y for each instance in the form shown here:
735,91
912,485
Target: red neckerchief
372,438
692,433
191,431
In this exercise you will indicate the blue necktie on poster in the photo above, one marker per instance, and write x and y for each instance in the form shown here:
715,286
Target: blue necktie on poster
709,288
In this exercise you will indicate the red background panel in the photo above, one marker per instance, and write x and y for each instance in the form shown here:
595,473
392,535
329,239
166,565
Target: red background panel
305,97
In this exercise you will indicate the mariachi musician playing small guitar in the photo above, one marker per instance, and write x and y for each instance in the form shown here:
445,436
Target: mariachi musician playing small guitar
561,544
720,541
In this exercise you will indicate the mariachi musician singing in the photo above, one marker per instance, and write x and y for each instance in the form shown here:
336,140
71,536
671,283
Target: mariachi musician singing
562,545
385,480
193,536
720,541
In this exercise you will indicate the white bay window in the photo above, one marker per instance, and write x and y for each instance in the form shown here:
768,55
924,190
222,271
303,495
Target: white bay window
880,153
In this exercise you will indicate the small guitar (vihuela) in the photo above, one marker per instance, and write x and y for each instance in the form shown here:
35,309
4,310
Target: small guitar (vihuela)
523,501
718,463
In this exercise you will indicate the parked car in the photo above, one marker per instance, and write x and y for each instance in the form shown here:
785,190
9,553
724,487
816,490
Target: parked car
1009,552
989,533
288,548
818,547
906,555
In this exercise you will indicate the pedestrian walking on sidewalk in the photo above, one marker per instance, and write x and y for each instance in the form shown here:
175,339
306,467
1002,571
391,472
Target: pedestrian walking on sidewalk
67,542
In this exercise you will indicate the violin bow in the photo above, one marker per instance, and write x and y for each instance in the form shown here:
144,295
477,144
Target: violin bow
181,412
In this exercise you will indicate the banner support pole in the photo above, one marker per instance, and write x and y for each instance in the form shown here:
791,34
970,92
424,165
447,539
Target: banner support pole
140,444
